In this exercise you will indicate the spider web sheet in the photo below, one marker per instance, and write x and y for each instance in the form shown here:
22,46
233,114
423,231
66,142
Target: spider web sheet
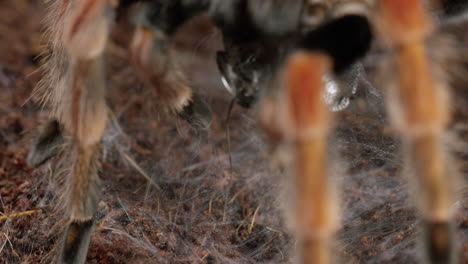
195,209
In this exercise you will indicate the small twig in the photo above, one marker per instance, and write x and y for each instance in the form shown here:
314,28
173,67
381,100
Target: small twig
115,123
130,160
205,255
253,219
210,204
228,134
5,217
1,248
274,230
239,227
224,209
46,257
241,190
140,170
11,245
158,206
123,207
115,231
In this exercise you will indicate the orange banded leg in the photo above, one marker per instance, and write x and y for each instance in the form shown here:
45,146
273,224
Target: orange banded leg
309,124
423,119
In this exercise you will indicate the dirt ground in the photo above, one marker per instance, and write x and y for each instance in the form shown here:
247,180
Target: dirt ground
195,209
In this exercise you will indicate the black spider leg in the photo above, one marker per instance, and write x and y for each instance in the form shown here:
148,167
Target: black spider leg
151,55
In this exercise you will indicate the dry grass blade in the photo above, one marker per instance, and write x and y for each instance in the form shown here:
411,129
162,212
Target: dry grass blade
140,170
5,217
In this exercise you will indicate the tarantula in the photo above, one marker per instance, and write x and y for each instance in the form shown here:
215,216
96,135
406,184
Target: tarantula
283,50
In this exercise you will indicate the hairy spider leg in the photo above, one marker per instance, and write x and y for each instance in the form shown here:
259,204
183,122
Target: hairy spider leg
151,56
307,122
87,25
421,119
315,218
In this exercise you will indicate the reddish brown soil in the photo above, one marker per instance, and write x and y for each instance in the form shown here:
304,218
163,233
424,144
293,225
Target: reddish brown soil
203,211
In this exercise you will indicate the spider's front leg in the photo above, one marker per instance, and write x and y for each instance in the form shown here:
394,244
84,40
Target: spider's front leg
306,124
83,113
420,112
152,57
316,219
